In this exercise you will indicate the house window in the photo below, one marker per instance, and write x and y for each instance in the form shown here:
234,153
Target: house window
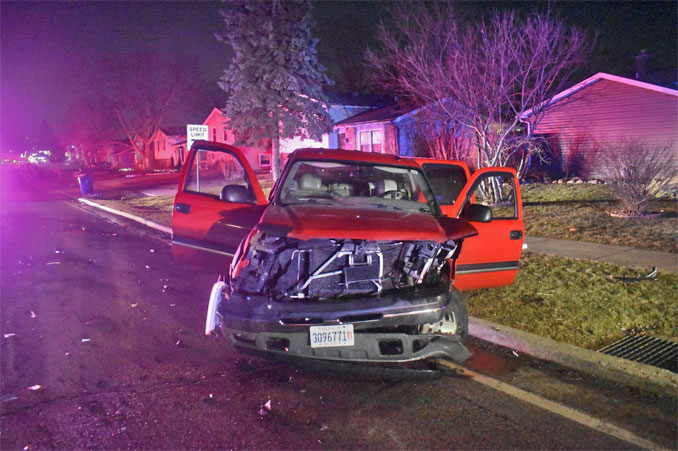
214,134
371,141
264,159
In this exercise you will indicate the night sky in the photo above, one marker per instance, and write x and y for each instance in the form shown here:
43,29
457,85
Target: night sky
49,50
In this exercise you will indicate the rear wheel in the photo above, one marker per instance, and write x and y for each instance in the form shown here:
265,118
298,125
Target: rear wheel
454,320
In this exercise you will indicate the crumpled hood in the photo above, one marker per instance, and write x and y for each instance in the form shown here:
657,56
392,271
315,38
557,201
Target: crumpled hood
307,222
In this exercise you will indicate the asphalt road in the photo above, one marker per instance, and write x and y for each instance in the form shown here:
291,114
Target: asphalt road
102,347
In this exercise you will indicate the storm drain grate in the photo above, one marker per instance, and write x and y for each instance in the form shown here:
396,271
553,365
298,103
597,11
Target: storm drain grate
645,349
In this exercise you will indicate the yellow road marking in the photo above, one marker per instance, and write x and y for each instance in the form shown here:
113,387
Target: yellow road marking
559,409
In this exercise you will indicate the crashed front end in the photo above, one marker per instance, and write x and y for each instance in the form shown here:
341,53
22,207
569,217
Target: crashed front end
352,300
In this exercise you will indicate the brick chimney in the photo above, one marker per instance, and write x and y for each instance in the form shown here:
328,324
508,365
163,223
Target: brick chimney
642,66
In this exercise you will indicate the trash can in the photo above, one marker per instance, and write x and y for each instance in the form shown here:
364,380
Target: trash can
86,186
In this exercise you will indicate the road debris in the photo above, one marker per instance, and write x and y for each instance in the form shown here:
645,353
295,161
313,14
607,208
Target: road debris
58,251
35,387
151,250
148,267
9,398
265,410
11,334
178,342
514,353
173,305
133,305
33,315
53,263
649,276
324,427
85,340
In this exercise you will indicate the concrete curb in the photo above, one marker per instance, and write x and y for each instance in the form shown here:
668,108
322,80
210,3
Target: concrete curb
626,372
139,219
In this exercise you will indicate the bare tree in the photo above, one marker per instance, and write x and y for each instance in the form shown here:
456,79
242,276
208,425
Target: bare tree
485,76
437,135
89,126
145,91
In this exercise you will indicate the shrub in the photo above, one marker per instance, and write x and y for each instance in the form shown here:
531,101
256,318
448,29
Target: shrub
636,172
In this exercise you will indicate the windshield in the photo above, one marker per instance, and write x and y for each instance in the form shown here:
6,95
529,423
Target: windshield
357,184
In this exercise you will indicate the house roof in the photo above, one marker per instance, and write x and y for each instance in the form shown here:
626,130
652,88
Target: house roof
177,130
604,76
215,111
385,114
355,99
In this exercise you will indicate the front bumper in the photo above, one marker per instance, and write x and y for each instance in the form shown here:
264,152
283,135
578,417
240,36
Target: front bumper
256,323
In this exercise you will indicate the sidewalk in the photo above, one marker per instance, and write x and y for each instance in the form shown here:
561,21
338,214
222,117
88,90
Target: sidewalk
619,255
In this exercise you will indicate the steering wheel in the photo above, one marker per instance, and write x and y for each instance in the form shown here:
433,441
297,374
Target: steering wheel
394,194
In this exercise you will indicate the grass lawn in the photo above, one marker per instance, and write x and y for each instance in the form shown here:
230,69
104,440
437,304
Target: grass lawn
580,212
154,208
580,303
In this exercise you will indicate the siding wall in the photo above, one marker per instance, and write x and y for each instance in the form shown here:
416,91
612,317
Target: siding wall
388,134
608,111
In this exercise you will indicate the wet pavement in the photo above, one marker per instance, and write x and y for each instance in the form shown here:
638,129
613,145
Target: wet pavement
102,347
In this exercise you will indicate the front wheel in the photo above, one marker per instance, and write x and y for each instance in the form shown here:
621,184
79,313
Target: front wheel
454,320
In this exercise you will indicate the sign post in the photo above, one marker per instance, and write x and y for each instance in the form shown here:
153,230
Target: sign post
195,133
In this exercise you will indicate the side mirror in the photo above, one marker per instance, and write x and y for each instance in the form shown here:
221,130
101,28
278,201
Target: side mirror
236,194
476,213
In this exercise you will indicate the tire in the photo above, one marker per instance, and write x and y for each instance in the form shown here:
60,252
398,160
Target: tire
457,307
454,321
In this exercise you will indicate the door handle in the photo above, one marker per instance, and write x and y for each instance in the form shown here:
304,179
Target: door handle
183,208
516,234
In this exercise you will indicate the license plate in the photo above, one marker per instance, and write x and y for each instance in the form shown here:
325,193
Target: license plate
332,336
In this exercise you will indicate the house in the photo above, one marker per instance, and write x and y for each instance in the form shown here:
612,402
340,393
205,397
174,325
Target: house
405,132
371,131
258,157
118,154
604,108
341,106
165,144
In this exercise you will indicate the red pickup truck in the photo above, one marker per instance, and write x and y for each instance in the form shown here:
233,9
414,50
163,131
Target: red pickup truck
354,256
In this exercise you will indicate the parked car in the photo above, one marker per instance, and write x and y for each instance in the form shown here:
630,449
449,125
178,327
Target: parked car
351,258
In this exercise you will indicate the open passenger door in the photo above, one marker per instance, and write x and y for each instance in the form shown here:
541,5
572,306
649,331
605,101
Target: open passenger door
218,202
490,258
491,202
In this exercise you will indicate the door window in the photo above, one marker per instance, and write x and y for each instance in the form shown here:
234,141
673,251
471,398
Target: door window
446,180
497,191
214,171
